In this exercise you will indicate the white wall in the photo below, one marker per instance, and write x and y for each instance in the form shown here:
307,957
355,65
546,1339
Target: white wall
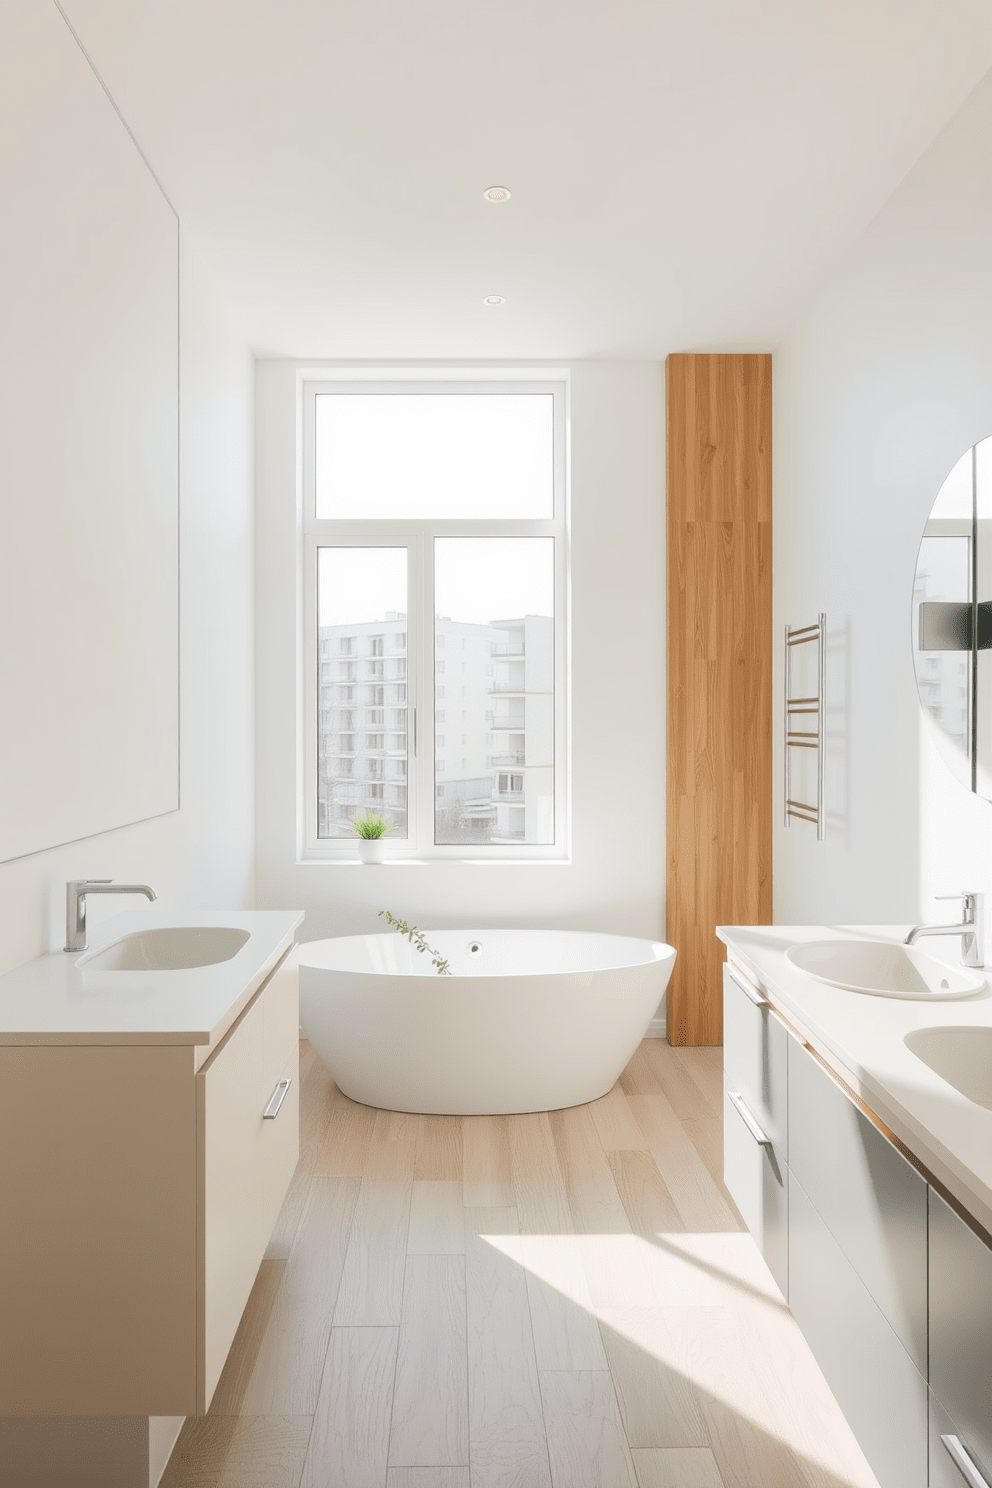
879,388
615,880
201,855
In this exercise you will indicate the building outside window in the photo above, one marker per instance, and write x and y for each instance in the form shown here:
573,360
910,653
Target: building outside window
435,518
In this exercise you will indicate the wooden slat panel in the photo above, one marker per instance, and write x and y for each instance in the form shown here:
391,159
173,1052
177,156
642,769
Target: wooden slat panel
719,672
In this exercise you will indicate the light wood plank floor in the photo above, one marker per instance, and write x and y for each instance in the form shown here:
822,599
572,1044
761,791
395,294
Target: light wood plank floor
560,1300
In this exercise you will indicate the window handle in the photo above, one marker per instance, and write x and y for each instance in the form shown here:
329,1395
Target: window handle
415,733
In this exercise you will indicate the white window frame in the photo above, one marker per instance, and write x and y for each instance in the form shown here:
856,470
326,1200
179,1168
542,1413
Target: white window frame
418,538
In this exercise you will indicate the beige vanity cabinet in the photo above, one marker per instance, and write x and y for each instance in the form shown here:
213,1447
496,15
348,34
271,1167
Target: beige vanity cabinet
755,1119
960,1351
140,1183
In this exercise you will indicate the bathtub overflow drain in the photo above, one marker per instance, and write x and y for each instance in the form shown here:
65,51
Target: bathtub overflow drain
474,948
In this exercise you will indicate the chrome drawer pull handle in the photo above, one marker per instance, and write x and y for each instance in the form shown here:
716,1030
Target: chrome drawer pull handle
749,992
959,1455
737,1101
278,1096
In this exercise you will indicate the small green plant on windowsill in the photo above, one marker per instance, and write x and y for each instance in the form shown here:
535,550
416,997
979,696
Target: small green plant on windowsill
415,938
371,826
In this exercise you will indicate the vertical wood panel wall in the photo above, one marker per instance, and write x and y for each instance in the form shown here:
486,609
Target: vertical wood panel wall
719,672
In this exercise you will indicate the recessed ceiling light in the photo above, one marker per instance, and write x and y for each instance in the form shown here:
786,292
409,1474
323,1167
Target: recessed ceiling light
496,194
494,300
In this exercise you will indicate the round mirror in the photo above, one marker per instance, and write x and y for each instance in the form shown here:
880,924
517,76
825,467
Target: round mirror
952,619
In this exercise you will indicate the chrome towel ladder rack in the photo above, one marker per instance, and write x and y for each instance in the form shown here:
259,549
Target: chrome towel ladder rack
805,710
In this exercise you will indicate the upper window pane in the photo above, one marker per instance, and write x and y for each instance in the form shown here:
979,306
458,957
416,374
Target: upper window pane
438,456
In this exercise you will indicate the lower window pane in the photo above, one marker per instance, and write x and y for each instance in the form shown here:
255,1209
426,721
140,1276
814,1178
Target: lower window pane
494,654
361,689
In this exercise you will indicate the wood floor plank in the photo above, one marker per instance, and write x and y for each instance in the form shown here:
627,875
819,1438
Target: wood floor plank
659,1404
676,1467
706,1135
538,1185
287,1371
593,1200
566,1333
240,1363
647,1203
699,1201
427,1477
349,1443
611,1253
439,1149
430,1403
640,1076
615,1123
746,1456
345,1148
293,1208
371,1291
437,1218
266,1452
200,1452
486,1163
586,1441
238,1452
507,1441
674,1081
704,1066
397,1126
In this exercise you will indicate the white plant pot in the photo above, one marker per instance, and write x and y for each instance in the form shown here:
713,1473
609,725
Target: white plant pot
370,849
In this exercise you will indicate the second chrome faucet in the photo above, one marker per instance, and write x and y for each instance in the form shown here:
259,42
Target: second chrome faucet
971,928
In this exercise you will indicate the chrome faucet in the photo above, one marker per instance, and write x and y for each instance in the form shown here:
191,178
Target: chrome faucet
971,928
75,904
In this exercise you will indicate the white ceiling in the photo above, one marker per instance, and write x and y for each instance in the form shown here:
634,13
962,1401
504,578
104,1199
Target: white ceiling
684,172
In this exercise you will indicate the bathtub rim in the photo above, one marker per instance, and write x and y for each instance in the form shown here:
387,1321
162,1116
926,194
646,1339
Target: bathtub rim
667,954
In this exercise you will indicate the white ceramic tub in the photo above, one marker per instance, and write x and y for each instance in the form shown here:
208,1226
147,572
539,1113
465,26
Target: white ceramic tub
529,1020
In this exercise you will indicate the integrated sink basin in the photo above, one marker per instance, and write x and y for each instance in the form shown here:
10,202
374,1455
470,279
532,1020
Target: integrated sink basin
883,968
168,948
961,1056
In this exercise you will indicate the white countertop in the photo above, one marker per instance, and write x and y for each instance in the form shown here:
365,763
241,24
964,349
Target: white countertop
54,1000
862,1038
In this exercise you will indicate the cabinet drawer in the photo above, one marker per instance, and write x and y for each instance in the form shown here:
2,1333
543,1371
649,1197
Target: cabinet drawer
755,1058
875,1382
755,1176
961,1329
870,1198
247,1160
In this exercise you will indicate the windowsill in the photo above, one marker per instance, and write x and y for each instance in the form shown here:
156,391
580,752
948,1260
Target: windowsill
436,863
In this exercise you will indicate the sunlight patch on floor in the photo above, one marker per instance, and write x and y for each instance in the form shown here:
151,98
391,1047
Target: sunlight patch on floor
714,1317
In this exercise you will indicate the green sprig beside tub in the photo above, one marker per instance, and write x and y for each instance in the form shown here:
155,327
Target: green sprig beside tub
415,938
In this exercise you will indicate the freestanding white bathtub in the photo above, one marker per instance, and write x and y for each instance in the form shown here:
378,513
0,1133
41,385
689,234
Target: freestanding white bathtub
529,1020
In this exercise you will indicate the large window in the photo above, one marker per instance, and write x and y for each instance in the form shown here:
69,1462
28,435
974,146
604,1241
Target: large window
435,647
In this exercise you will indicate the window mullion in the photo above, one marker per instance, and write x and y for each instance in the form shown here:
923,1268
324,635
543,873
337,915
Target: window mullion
425,694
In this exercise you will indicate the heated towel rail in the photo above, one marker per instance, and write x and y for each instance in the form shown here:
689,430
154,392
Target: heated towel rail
805,711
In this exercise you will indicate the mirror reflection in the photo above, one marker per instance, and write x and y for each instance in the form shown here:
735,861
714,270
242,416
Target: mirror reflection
952,619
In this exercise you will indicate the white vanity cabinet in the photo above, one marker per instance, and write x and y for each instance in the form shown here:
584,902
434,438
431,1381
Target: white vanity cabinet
960,1349
140,1183
858,1269
841,1219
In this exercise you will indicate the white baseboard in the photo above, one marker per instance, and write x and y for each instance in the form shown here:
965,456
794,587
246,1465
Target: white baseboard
658,1027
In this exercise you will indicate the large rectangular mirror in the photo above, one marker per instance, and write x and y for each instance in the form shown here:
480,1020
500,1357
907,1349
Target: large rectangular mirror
89,463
